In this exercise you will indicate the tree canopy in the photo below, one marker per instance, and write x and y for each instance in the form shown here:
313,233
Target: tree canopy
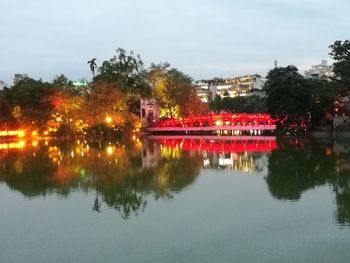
27,100
174,91
248,104
126,71
292,97
286,92
340,52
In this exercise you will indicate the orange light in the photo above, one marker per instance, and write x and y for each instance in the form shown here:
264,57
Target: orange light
108,119
109,150
21,133
12,145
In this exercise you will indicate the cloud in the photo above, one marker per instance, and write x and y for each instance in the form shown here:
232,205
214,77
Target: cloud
45,37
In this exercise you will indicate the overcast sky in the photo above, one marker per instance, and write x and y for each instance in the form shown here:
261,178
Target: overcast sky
202,38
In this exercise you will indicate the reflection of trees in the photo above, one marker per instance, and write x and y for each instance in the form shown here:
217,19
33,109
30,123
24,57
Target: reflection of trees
342,191
31,175
97,205
293,169
341,187
114,171
173,175
127,199
127,189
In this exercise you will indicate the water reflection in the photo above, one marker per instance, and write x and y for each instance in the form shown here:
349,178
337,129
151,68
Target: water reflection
298,165
239,153
115,171
124,176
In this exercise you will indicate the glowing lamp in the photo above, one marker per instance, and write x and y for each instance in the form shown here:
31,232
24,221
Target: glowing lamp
108,119
218,123
21,133
109,150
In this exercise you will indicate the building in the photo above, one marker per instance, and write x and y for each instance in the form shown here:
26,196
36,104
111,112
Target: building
19,77
3,85
229,87
149,111
322,71
203,90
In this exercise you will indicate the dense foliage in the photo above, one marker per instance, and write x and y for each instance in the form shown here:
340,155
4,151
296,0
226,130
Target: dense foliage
248,104
340,52
111,100
174,92
109,103
294,99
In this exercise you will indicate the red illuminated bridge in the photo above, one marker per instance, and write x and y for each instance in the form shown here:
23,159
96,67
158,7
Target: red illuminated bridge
216,122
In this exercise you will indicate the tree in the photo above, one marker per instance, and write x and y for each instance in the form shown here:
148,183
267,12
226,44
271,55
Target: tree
106,105
28,100
340,52
5,111
92,65
61,82
288,96
126,72
162,90
66,111
323,96
248,104
174,92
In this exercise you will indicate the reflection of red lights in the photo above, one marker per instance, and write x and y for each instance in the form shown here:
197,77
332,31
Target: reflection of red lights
225,145
212,119
328,151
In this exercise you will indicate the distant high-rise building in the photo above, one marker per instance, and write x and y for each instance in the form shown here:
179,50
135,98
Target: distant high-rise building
229,87
321,71
3,85
19,77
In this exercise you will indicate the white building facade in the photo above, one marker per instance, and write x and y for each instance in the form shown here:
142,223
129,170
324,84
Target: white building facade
229,87
321,71
19,76
3,85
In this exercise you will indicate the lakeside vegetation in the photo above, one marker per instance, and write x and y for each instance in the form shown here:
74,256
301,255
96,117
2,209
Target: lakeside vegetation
109,104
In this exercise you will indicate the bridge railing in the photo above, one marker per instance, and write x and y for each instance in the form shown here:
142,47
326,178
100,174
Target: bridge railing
217,120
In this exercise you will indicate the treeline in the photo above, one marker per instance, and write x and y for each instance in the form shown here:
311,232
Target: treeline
295,100
109,103
248,104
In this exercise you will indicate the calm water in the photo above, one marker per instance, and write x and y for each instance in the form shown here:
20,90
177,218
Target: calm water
176,200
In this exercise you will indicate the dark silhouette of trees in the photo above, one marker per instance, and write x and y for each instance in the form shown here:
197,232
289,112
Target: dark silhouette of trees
286,93
340,52
248,104
27,99
126,72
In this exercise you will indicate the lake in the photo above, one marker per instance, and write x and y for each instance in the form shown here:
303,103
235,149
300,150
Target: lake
176,199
